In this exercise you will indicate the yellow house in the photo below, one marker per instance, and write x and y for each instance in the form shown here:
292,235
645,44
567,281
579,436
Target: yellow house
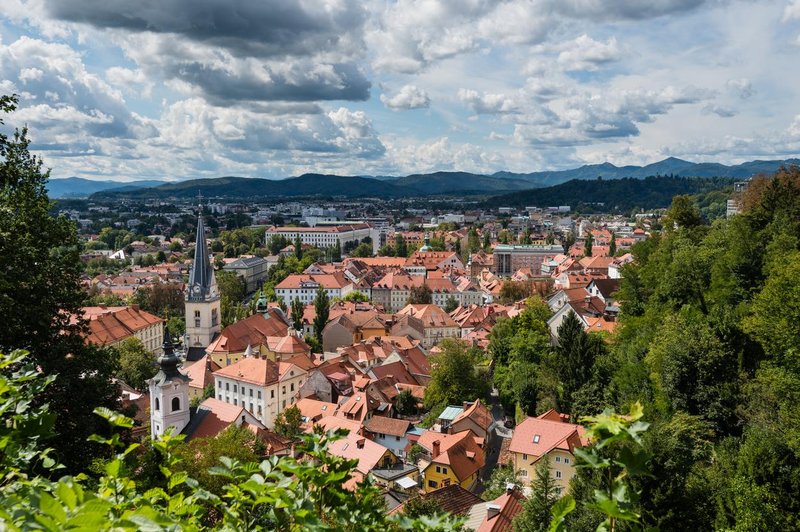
454,459
550,437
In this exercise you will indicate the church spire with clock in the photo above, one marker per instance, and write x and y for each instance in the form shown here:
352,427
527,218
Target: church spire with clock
202,296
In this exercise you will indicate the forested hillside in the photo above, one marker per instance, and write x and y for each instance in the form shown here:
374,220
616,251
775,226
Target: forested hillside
708,343
612,195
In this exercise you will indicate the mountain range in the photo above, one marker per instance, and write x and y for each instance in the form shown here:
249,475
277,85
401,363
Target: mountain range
437,183
78,187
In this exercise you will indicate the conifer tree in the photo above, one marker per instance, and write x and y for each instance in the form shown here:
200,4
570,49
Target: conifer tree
322,307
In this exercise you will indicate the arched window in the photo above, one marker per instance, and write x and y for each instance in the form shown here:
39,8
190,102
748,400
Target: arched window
158,405
176,404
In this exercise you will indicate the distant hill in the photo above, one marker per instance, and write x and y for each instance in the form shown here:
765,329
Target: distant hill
308,185
77,187
612,195
463,182
437,183
242,187
670,166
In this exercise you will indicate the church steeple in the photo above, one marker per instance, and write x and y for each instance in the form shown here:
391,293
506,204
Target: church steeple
202,283
202,296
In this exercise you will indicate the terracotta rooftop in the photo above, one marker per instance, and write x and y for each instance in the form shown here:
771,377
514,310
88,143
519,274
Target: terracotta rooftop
253,330
453,500
108,325
387,425
538,436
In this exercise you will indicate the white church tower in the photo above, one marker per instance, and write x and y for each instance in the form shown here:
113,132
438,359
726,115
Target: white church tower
202,296
169,394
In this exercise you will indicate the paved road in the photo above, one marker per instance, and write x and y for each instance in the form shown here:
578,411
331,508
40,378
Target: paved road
493,449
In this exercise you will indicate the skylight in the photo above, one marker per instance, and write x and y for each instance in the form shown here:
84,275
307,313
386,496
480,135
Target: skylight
536,438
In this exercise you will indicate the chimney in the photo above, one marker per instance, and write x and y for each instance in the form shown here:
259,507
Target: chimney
510,486
435,446
492,510
360,443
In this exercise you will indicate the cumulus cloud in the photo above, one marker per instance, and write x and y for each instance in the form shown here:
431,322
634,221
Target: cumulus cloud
742,87
792,11
242,27
589,116
130,81
413,34
719,110
238,51
61,99
487,103
585,53
625,9
408,97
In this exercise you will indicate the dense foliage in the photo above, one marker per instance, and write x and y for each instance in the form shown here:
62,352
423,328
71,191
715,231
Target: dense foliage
41,298
167,485
707,342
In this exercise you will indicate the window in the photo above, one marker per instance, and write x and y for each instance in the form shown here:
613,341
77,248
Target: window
284,404
444,470
158,405
566,460
558,474
214,319
431,483
523,472
272,394
236,402
558,459
251,392
235,387
283,390
291,387
524,456
259,410
227,386
197,318
176,404
259,394
438,469
397,438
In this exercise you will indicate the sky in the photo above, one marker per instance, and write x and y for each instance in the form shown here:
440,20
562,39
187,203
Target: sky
181,89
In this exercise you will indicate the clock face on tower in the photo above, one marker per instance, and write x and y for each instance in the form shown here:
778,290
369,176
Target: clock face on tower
196,289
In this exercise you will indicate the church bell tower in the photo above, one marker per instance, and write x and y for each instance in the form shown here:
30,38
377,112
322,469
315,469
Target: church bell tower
169,394
202,296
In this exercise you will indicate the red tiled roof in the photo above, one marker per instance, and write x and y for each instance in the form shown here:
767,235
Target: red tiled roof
551,435
201,372
510,504
459,451
219,417
253,330
258,371
430,315
387,425
108,325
